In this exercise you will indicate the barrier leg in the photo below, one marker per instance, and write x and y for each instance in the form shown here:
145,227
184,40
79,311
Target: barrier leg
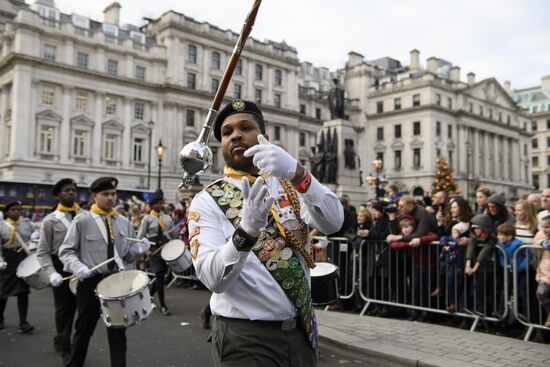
365,307
528,333
474,324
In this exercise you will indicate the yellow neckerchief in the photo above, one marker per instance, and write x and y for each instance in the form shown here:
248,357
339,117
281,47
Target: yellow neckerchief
108,215
158,215
65,209
230,172
13,235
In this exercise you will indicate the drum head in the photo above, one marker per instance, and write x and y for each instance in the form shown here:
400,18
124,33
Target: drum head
323,268
122,284
172,250
28,266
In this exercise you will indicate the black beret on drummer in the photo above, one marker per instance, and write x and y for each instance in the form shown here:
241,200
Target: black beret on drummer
157,197
237,106
62,183
103,183
12,204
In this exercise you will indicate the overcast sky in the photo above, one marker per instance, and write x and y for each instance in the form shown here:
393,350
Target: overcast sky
506,39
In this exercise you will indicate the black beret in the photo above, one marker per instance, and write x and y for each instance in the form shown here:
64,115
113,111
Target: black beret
61,183
12,203
104,183
237,106
158,197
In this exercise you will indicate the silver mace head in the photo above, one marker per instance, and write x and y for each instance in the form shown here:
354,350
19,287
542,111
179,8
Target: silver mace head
195,159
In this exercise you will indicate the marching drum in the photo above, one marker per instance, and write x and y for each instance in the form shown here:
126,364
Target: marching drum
125,299
177,256
31,272
324,284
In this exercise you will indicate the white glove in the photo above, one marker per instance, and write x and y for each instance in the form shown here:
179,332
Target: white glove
3,264
56,279
83,272
255,206
272,159
143,246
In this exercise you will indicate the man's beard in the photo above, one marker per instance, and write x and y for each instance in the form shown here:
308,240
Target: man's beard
240,163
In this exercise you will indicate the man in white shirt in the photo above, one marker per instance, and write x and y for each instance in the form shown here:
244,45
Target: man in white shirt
545,204
248,240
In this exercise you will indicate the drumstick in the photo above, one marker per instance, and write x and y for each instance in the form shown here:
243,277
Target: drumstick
137,240
70,277
154,253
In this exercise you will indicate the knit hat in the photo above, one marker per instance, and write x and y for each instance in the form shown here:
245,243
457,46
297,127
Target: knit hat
377,205
483,222
461,227
497,199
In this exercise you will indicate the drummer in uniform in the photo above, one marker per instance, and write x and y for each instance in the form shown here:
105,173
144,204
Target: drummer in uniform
248,240
15,234
52,233
92,238
153,226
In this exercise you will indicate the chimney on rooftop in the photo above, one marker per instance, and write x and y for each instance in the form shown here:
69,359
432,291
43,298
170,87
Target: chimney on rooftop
111,14
431,64
507,86
355,58
471,78
415,60
454,73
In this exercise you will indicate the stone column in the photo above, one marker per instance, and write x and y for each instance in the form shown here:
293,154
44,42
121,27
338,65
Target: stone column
486,166
496,154
204,82
3,130
31,150
64,143
505,159
129,69
268,92
69,53
20,114
461,147
126,133
101,62
97,148
476,154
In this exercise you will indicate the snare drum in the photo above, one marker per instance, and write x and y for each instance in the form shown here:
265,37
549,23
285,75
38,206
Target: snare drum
31,272
324,284
124,298
177,256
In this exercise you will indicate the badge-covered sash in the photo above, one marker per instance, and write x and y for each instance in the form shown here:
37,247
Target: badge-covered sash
275,253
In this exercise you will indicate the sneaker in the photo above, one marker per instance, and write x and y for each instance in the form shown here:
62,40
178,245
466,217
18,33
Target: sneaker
451,309
164,311
25,328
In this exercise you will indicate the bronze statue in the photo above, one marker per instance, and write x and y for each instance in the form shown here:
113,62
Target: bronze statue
349,154
336,101
318,161
331,158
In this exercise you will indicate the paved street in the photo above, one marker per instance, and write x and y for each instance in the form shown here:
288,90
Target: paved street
177,340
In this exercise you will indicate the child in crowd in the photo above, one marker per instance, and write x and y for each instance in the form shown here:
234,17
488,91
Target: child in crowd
543,269
507,241
424,259
451,263
480,248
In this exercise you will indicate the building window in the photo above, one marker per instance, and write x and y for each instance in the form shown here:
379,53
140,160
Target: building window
277,133
535,161
533,125
138,150
416,128
278,77
438,128
112,67
500,116
397,104
302,139
110,146
547,124
379,107
81,100
192,54
438,99
237,90
536,183
216,60
535,109
471,107
481,110
397,131
190,118
318,113
302,109
258,96
259,72
450,103
380,156
548,142
490,113
417,159
214,86
191,77
379,133
139,110
48,95
110,105
49,52
239,67
449,131
82,60
535,143
79,144
46,139
277,100
508,119
548,160
397,160
140,73
450,158
416,100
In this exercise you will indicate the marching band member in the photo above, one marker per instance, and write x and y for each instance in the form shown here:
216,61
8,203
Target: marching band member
153,227
52,233
15,232
92,238
252,252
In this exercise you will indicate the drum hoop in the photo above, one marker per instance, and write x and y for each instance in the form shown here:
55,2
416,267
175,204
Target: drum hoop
175,259
131,294
28,260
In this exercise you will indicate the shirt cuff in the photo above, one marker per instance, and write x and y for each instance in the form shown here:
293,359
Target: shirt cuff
230,255
315,194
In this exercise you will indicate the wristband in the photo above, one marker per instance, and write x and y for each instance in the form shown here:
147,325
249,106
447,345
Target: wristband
304,183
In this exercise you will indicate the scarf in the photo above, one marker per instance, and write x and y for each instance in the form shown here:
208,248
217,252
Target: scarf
159,216
75,208
108,216
13,235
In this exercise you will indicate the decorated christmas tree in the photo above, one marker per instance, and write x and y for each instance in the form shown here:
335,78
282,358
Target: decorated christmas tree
443,177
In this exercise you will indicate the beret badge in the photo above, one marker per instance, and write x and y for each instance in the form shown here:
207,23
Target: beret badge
238,105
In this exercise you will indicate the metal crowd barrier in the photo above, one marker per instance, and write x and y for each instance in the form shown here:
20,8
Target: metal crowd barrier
189,274
527,310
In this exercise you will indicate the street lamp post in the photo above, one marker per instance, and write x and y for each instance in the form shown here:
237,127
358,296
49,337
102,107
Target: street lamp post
161,149
377,164
151,126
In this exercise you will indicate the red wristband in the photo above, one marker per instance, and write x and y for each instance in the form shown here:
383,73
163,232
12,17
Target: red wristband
303,185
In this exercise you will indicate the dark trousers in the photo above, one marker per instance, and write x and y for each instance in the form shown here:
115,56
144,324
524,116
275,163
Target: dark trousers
88,313
65,308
